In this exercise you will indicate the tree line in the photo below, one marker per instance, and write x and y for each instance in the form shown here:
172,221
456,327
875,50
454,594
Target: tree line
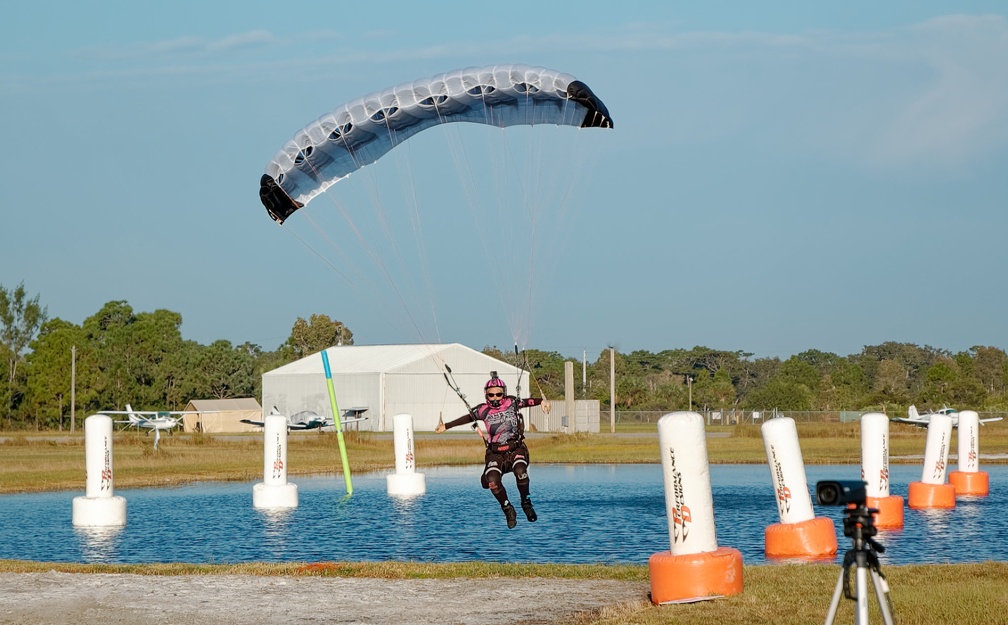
118,355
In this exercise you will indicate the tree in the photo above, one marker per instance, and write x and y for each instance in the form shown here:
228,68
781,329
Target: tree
20,319
224,371
47,369
318,333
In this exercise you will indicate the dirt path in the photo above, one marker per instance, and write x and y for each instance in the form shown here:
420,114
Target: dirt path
115,599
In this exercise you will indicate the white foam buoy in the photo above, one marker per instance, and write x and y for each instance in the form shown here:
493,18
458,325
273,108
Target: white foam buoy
932,491
99,507
875,471
405,482
800,534
274,491
695,567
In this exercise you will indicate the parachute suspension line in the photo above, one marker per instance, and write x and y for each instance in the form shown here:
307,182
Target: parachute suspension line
415,220
453,385
467,179
319,254
369,249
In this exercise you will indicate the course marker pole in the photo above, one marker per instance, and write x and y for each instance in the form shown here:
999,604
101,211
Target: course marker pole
336,424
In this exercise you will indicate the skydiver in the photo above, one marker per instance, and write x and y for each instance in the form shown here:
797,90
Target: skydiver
505,444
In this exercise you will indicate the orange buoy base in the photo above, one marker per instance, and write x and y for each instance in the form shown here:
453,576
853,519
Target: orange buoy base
890,511
975,483
695,576
923,496
815,538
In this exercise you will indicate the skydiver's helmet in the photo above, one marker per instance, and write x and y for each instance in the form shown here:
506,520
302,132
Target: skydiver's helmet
495,389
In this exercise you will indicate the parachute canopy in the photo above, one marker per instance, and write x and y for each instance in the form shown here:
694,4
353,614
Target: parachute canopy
363,130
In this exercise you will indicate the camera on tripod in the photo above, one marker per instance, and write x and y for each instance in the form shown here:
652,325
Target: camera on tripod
841,492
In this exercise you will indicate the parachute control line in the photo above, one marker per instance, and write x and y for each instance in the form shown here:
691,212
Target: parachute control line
875,471
99,507
800,534
932,491
969,480
695,567
274,491
361,131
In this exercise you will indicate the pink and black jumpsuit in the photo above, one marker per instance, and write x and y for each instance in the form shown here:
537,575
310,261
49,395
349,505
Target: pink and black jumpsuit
506,451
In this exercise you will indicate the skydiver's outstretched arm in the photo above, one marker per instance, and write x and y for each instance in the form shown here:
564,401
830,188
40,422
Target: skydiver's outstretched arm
535,401
468,417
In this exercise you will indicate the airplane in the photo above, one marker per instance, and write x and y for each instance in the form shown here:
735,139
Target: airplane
308,420
922,420
154,420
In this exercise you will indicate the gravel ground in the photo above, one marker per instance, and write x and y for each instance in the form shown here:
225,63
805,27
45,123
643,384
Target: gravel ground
115,599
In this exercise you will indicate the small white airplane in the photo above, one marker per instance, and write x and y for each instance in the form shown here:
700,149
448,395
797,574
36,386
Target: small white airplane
922,420
308,420
154,420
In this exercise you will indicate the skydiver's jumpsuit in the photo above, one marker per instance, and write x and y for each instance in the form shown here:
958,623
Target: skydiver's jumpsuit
506,451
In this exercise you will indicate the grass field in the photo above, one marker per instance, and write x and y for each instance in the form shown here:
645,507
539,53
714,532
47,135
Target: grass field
780,594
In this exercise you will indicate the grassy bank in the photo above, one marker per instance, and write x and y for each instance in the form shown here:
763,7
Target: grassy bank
48,462
967,594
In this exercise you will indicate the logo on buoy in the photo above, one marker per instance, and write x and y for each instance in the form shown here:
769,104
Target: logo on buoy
106,474
783,492
681,515
939,468
278,462
884,471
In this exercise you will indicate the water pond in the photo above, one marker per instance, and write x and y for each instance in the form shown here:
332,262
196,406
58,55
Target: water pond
587,514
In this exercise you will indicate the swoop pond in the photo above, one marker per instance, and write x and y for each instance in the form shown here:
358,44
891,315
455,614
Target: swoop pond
587,514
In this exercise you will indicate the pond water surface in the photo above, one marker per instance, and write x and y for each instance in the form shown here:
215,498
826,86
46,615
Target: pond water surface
587,514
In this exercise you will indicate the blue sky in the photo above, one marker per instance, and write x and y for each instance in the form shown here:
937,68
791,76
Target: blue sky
780,178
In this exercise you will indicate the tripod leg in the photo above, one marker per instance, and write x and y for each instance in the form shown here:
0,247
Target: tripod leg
882,594
836,598
861,577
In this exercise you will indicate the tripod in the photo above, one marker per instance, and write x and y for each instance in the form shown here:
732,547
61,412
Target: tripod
863,556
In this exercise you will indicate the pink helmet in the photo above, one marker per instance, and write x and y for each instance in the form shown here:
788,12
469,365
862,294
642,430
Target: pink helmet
495,381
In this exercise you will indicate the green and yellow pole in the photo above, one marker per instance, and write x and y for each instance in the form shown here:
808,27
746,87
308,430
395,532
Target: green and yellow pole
336,423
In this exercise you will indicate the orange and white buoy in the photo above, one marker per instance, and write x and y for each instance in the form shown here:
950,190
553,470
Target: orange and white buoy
800,534
932,491
969,480
695,567
875,471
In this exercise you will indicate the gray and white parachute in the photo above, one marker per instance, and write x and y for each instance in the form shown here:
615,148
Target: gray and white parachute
361,131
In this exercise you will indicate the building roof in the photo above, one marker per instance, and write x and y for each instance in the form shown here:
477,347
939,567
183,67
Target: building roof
345,359
241,403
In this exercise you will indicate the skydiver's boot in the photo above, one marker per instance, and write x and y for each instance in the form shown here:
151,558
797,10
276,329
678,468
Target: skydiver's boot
530,514
510,514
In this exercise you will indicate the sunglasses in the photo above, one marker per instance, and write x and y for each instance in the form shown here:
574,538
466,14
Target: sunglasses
495,394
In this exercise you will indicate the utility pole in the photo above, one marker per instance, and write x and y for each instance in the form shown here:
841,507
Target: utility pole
584,373
73,387
612,390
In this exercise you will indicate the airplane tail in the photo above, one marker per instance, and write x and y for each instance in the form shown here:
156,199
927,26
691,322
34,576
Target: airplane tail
912,412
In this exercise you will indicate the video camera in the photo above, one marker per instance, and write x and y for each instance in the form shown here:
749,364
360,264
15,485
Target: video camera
841,492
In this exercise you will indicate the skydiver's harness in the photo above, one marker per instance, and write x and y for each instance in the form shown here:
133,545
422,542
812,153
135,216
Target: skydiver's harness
499,448
517,441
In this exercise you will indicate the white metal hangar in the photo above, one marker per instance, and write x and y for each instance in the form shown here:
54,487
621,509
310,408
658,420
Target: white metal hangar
381,381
